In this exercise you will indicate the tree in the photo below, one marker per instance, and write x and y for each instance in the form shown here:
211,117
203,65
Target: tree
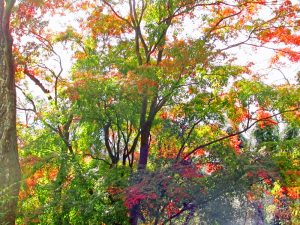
170,74
9,161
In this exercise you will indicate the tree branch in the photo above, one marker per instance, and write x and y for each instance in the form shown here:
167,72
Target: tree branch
115,12
237,133
37,82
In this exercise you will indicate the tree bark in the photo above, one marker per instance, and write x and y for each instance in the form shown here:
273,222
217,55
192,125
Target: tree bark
134,215
9,162
144,148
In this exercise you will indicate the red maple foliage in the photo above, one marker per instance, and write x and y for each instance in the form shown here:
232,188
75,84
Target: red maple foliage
235,144
265,119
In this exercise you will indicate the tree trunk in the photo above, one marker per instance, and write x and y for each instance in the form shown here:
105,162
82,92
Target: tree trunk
144,148
9,162
134,215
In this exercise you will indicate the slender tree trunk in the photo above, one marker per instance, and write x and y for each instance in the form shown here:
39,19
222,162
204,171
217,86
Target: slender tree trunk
144,152
9,162
259,213
144,149
58,188
145,124
134,215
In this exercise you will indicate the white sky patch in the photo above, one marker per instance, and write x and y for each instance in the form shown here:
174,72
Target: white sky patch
191,28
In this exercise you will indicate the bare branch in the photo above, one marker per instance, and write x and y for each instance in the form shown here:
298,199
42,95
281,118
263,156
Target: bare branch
28,98
95,157
37,82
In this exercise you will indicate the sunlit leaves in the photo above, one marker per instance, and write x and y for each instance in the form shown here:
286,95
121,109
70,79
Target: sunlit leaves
211,127
106,24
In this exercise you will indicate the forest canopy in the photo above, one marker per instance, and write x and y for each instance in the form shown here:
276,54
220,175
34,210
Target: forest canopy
152,111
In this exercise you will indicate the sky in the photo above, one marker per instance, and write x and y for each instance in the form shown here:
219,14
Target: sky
260,57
